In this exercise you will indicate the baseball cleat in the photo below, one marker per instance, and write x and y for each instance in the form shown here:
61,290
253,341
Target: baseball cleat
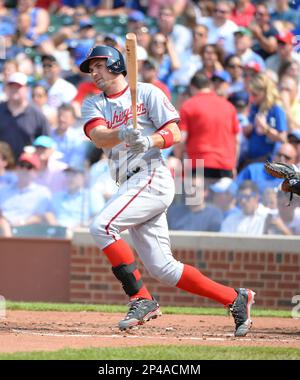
240,310
141,310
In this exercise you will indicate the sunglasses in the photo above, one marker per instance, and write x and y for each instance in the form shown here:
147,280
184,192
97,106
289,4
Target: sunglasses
233,66
261,14
26,165
246,197
158,42
221,11
47,65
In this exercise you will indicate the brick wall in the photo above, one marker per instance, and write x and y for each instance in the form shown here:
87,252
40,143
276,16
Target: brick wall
275,276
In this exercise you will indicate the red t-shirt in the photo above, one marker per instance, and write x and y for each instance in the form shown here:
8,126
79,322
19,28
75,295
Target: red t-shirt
211,124
163,87
86,89
243,18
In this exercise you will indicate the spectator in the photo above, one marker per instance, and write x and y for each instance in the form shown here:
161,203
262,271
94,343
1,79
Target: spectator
292,69
269,198
255,172
69,141
220,28
51,172
162,51
154,7
39,17
243,39
21,122
75,206
24,202
179,35
40,99
10,66
233,64
59,90
221,81
243,13
149,73
197,217
193,57
264,32
240,100
223,195
250,219
268,124
212,59
287,219
207,134
284,52
288,88
7,165
294,139
283,12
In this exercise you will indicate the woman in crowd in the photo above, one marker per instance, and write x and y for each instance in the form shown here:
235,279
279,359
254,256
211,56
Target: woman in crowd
267,119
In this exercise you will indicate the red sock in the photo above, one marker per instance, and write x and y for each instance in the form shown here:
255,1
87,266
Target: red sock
193,281
118,253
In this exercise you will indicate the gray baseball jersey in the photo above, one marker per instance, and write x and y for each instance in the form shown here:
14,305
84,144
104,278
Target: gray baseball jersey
154,111
141,202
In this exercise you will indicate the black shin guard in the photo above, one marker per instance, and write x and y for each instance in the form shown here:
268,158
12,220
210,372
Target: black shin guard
124,273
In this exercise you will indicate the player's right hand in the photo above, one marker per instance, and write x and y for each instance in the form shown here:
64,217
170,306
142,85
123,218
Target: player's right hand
129,134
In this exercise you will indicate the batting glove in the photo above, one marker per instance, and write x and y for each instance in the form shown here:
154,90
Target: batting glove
141,145
129,134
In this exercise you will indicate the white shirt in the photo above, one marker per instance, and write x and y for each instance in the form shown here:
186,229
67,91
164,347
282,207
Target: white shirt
223,35
240,223
61,92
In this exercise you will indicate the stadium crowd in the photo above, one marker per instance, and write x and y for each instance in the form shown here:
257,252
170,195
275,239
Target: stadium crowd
231,68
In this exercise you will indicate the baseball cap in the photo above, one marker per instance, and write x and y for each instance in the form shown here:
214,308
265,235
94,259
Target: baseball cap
243,31
74,169
224,184
19,78
44,142
87,23
48,57
294,136
239,98
32,159
286,37
252,65
223,75
136,16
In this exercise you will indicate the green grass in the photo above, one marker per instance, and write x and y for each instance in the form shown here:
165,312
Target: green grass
42,306
162,353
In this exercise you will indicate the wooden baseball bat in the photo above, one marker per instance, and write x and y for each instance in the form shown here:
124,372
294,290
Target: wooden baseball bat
132,72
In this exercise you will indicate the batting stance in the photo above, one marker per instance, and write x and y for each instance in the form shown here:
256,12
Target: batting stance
146,189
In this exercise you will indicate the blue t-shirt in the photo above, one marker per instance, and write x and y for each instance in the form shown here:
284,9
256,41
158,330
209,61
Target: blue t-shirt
261,145
256,173
181,217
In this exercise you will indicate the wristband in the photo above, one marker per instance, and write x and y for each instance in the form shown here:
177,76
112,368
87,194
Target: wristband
168,137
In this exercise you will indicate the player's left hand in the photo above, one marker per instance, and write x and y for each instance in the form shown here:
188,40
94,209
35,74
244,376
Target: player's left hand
141,145
129,134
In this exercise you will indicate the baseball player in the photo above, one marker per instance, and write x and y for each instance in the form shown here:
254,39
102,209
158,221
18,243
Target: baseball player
146,189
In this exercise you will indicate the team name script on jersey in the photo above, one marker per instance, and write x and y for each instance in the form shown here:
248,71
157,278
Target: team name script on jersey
121,117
